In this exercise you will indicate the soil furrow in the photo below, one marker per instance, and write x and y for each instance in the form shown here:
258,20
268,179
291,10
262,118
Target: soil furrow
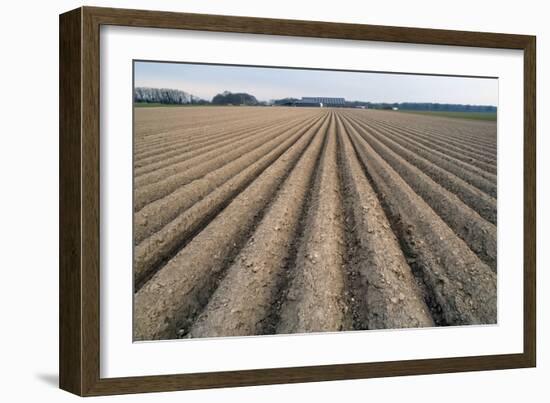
258,221
475,176
467,148
187,147
204,131
479,234
479,137
384,292
188,121
489,167
157,123
166,305
235,147
402,134
483,204
316,299
459,287
153,251
243,300
481,134
185,152
154,216
154,191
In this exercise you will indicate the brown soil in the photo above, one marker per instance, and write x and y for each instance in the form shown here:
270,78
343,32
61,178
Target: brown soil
243,301
384,292
176,293
162,244
315,300
469,173
479,234
252,221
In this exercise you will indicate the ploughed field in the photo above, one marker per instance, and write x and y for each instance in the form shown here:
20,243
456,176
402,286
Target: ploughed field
252,221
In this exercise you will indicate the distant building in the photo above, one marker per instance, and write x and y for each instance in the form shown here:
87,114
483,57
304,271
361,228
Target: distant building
321,102
395,108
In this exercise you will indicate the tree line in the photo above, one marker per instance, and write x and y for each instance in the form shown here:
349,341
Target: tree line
165,96
424,106
170,96
178,97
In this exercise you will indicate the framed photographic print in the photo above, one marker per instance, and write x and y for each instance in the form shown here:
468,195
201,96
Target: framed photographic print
249,201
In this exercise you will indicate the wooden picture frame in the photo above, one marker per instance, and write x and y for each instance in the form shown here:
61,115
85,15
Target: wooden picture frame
79,346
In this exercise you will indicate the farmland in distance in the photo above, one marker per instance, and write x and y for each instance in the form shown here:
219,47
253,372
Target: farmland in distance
277,220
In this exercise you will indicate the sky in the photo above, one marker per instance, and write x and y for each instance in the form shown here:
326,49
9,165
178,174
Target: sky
205,81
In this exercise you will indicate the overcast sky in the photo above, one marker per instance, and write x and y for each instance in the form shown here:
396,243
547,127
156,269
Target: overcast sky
205,81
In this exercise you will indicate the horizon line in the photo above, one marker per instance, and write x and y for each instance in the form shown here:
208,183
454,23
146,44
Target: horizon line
302,97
